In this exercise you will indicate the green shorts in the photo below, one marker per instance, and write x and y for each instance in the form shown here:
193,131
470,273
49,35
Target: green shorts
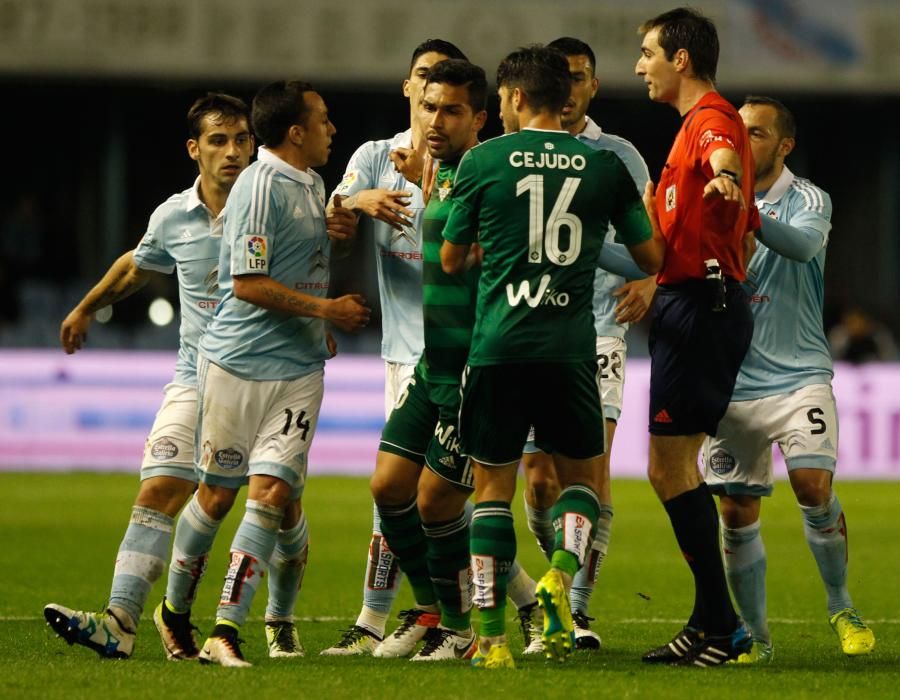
562,400
423,428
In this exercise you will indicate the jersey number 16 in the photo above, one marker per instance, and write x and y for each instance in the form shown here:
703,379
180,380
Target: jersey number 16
543,236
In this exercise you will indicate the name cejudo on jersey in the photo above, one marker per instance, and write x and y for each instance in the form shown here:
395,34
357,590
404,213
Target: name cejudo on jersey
544,296
553,161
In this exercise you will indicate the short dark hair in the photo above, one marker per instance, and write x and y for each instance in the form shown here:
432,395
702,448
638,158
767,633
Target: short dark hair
541,73
570,46
227,107
277,107
685,28
784,120
440,46
461,73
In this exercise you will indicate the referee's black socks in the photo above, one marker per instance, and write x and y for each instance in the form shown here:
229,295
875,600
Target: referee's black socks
695,521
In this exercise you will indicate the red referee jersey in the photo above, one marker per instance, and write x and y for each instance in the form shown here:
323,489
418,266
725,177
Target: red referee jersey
696,229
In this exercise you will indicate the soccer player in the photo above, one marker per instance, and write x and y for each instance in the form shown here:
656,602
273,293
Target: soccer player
422,510
183,234
783,393
539,203
542,488
393,209
702,323
261,360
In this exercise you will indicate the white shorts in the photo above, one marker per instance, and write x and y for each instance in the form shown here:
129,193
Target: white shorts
169,450
611,362
396,378
255,427
802,423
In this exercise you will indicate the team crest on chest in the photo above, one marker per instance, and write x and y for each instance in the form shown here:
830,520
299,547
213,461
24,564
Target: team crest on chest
405,234
319,260
444,190
670,197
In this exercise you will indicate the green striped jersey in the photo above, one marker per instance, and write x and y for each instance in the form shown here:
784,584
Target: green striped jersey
448,300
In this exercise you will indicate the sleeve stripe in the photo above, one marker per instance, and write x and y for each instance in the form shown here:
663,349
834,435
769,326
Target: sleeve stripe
811,195
262,188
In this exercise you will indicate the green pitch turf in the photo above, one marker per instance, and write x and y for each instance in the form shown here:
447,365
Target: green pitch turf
60,534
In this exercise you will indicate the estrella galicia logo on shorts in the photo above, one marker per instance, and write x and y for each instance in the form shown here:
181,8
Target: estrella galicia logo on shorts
721,463
163,448
229,458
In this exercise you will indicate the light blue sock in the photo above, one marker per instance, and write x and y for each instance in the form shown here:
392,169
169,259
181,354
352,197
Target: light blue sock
826,535
383,579
541,526
251,549
745,569
584,581
194,536
141,560
286,571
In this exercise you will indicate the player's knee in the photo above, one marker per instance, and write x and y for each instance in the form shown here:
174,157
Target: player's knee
270,490
543,492
812,492
165,494
738,511
542,487
430,508
216,501
657,476
385,490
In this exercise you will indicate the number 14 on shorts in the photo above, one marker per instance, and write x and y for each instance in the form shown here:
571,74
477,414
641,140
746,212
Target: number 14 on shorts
301,423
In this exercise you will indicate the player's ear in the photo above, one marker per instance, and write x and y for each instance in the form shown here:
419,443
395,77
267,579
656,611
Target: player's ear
406,88
193,149
595,84
681,59
479,121
786,146
295,135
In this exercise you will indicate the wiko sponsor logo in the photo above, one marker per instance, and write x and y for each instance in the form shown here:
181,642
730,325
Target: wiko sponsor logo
543,296
446,438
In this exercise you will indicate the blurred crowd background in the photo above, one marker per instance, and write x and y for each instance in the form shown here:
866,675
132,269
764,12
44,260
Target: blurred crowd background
95,93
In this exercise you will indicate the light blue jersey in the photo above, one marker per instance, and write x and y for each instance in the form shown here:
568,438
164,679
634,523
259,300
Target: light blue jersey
789,349
184,235
275,226
398,255
605,283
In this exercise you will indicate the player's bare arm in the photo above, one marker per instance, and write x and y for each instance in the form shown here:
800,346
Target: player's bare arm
349,312
122,279
389,206
727,173
453,257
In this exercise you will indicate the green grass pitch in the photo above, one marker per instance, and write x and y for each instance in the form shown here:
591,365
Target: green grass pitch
61,532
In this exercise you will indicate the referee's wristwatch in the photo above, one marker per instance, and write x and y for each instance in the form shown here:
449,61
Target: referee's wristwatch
730,174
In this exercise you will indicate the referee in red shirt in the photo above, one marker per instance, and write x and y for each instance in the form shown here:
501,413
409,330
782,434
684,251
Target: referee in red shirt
702,324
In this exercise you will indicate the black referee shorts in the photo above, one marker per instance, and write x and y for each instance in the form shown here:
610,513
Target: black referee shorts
695,355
